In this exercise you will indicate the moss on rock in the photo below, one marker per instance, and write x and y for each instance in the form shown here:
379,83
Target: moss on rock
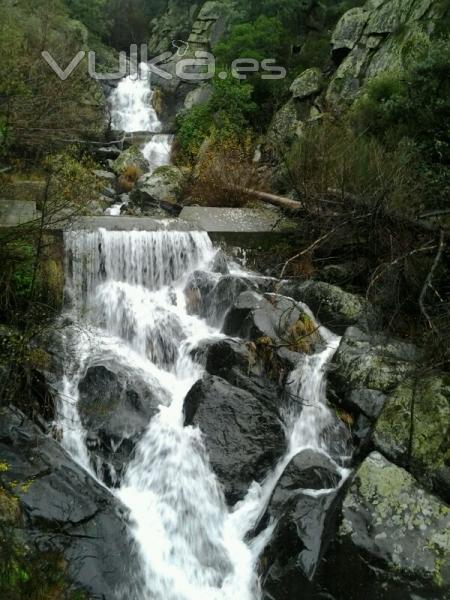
427,440
392,520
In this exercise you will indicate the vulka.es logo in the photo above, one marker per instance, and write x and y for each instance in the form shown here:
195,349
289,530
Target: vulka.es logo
201,66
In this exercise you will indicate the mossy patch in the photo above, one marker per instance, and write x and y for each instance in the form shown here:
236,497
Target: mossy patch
430,432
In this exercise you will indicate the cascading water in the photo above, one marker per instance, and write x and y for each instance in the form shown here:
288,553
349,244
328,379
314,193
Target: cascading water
133,111
125,297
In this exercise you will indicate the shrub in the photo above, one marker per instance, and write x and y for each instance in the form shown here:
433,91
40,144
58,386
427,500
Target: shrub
128,178
225,116
224,171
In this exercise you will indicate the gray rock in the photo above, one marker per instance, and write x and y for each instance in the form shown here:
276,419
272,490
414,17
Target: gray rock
159,188
333,307
220,263
309,83
368,402
199,95
65,512
132,157
373,362
115,408
242,433
106,176
398,529
305,524
428,441
273,317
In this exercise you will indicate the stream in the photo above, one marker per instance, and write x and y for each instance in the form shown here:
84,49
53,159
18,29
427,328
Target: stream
125,299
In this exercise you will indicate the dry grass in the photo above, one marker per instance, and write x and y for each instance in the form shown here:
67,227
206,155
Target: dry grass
223,173
128,179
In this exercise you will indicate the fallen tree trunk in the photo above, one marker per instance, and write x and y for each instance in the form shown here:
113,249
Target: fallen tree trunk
280,201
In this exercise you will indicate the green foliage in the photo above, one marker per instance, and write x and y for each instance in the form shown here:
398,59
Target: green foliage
226,115
72,183
265,38
92,13
415,104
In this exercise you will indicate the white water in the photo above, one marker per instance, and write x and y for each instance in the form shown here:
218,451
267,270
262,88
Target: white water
125,295
132,111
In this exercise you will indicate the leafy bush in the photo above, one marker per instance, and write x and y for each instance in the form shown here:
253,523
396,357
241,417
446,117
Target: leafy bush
415,104
225,116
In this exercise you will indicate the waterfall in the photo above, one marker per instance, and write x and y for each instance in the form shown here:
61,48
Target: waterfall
125,300
132,111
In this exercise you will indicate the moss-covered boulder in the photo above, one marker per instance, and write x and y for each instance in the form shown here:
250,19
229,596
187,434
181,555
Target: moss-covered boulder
371,39
394,536
308,84
375,362
285,125
133,158
334,307
413,430
160,188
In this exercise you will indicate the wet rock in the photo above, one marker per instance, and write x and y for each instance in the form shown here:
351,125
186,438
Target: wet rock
220,263
373,362
107,152
424,448
197,289
115,409
333,307
243,435
368,402
305,524
272,317
130,158
224,294
394,540
224,355
64,511
161,188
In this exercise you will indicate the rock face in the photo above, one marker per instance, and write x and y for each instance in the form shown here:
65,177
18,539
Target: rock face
304,524
374,38
64,511
174,24
115,410
333,307
131,157
394,540
160,188
429,431
243,434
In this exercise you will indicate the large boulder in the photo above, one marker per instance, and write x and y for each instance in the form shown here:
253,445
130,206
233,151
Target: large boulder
243,433
272,317
160,188
305,523
132,157
413,430
394,540
115,408
374,362
65,513
365,369
309,83
333,307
